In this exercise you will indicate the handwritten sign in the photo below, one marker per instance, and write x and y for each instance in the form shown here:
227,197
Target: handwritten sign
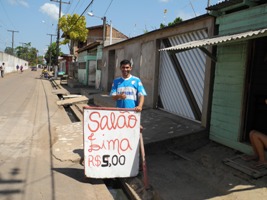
111,143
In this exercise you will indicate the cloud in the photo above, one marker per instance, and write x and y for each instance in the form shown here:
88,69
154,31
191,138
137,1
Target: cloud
164,1
51,10
19,2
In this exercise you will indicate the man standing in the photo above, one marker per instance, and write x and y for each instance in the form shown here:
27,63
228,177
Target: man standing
128,91
2,68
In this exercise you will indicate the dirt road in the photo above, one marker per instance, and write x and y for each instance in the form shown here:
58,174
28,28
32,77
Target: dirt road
28,117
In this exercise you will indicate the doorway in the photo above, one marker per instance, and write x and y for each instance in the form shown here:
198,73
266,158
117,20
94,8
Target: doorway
256,107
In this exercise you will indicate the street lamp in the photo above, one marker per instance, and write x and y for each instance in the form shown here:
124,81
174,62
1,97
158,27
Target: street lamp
104,25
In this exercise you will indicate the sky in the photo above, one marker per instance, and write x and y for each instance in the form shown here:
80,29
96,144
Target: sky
36,20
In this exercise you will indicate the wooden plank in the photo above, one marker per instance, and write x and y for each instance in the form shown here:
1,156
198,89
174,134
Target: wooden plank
243,169
60,91
57,81
71,96
246,166
72,101
63,82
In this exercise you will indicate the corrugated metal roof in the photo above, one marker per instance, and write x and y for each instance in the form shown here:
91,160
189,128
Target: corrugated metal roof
229,3
224,4
218,40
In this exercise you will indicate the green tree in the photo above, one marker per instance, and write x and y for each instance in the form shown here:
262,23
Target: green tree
40,60
33,56
52,53
73,28
26,52
176,21
9,50
23,51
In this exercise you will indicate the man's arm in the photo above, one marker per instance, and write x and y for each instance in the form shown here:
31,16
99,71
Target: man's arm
140,104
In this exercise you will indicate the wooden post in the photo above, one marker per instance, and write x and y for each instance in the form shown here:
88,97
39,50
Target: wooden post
145,178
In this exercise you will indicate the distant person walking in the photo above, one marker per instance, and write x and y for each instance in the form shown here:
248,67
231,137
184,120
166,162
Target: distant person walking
21,68
17,68
2,69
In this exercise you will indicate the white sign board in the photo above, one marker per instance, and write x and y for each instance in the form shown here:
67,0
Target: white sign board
111,143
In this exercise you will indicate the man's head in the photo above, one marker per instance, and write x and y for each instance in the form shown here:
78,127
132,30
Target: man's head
126,67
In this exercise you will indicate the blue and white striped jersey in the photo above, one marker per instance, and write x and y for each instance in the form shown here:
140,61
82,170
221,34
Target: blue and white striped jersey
132,87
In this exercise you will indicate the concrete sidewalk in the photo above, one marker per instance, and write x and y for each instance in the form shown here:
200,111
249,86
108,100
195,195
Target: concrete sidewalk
67,152
182,162
160,127
161,130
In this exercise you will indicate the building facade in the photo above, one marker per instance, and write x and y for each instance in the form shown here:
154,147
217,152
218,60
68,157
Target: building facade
89,55
172,83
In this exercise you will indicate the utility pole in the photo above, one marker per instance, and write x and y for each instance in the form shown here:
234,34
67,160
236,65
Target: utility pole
12,39
104,25
110,33
58,30
208,5
50,53
104,29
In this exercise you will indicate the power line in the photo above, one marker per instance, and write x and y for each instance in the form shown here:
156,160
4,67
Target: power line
81,5
75,7
108,7
68,8
85,9
193,8
6,13
82,13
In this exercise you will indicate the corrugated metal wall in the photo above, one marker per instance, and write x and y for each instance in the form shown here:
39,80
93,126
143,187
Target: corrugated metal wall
192,62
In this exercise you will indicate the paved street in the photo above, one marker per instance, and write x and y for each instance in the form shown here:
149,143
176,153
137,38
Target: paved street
29,117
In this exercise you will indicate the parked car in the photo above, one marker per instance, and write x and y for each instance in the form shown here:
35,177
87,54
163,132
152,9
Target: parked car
34,68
